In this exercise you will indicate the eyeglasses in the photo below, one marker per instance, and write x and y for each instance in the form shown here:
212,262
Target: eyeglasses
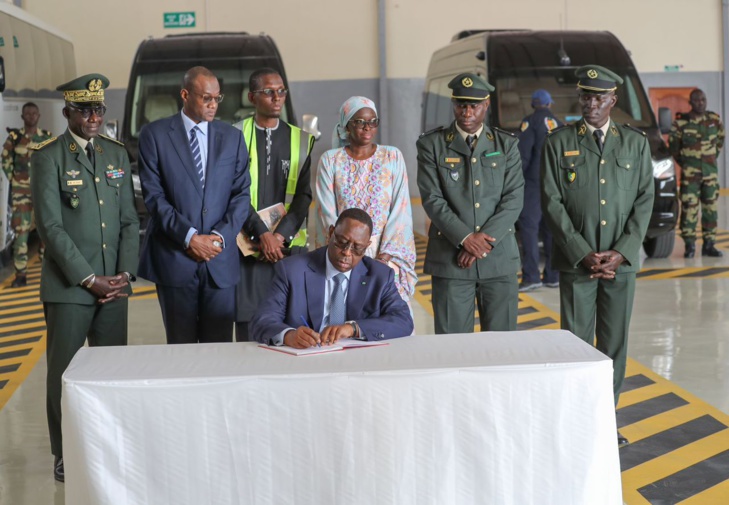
270,92
86,112
208,98
361,123
342,245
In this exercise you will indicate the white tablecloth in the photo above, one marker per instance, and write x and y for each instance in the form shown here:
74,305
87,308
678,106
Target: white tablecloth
487,418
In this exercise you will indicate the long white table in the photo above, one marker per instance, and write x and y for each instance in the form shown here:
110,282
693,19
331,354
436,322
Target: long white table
486,418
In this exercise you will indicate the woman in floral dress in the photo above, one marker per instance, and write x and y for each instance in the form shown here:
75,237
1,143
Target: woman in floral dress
359,173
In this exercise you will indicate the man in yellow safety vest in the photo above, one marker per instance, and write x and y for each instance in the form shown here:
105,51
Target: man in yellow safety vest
280,159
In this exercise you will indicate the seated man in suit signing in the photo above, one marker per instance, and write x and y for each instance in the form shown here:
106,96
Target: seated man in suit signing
333,293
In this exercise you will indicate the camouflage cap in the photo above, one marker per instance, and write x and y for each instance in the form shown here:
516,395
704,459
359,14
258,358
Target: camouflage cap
88,88
597,79
470,87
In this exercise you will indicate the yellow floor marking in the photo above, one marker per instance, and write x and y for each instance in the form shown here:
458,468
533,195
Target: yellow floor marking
35,306
716,495
678,272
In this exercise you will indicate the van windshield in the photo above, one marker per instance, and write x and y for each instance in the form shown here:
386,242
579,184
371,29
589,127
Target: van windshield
156,92
514,88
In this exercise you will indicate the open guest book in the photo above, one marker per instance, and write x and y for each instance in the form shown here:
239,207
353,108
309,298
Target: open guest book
271,216
342,345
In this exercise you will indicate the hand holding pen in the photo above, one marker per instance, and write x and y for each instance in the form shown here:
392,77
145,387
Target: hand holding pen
302,337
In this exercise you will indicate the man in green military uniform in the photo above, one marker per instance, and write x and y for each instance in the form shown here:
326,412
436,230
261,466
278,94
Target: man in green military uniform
597,196
16,164
695,141
84,204
280,161
472,187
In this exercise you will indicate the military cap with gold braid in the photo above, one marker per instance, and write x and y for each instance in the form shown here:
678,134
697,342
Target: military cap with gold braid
470,87
597,79
87,89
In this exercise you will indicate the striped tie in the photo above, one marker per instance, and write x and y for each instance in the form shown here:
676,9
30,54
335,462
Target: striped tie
197,155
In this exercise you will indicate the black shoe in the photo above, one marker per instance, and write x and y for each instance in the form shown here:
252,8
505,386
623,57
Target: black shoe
708,249
689,250
19,282
58,472
622,441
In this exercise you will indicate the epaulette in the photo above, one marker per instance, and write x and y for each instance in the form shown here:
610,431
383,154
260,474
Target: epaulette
40,146
111,139
626,125
713,115
431,131
559,128
503,131
14,132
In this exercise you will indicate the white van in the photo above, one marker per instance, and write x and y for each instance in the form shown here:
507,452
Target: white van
34,59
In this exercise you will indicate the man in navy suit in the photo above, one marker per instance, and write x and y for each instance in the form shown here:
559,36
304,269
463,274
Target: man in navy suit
333,293
195,181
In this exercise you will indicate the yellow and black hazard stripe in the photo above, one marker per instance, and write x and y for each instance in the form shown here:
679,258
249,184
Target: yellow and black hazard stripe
23,329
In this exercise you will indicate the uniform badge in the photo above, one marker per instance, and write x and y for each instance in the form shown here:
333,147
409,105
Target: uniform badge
99,149
592,73
75,182
72,147
614,130
74,201
572,153
571,176
582,129
454,175
467,82
73,173
524,125
450,137
113,173
550,123
489,136
94,85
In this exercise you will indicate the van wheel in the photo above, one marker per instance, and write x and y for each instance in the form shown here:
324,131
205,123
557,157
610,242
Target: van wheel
660,246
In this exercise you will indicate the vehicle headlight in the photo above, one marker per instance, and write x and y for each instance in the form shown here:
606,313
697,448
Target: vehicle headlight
664,169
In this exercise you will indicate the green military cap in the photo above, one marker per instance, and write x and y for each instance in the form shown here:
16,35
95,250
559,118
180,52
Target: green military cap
470,87
88,88
597,79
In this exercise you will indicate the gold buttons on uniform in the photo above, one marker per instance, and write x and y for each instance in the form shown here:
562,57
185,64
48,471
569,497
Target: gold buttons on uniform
97,179
627,166
473,160
478,228
103,245
101,202
602,202
602,162
493,165
103,225
477,205
477,182
602,181
603,222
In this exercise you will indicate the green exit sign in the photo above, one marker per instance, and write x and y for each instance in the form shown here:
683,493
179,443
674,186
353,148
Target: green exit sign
179,19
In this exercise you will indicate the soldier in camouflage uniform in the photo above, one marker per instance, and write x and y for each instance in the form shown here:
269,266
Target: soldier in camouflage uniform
695,142
16,162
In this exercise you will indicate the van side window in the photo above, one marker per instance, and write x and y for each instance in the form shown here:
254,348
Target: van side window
438,110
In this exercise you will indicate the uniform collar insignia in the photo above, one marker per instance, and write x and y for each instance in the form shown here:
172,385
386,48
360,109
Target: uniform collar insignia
489,136
99,149
450,136
613,130
72,147
583,129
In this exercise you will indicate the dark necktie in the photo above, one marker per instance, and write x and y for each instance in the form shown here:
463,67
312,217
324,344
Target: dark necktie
90,153
471,141
598,138
336,307
197,155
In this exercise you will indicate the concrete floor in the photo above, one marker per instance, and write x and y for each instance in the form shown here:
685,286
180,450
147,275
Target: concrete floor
679,330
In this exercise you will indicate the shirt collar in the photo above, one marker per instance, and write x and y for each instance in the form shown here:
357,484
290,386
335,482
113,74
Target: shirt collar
466,134
81,142
604,128
190,124
331,271
278,122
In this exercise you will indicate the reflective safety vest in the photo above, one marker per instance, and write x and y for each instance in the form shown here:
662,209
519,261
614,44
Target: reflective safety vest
301,144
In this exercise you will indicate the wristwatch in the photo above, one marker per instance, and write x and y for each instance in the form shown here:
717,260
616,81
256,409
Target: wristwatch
355,327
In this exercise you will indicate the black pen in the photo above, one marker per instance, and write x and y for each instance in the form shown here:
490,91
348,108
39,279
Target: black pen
303,320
